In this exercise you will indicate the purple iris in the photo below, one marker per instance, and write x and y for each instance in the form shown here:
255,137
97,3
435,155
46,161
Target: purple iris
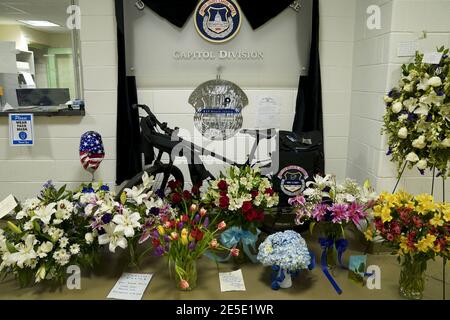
107,217
154,211
422,171
441,93
389,152
159,251
206,222
104,188
429,118
192,246
87,190
412,117
48,184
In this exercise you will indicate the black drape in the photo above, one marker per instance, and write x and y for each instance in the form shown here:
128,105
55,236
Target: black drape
257,12
128,135
308,115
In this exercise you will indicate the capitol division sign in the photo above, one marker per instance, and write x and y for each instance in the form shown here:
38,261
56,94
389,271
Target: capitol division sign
219,55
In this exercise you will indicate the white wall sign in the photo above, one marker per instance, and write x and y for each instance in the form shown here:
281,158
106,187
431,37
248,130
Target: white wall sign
21,132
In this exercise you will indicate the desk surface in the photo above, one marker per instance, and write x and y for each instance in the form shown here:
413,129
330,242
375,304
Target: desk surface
310,285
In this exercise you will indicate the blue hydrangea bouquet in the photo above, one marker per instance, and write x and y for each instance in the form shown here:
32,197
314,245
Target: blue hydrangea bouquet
287,253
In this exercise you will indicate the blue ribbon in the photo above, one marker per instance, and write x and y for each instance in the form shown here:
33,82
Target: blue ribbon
326,245
231,238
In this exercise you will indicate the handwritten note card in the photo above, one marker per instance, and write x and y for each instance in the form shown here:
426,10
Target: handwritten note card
432,57
231,281
130,286
7,205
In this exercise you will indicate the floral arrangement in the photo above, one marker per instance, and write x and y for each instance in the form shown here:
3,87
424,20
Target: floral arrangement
333,205
417,229
44,237
184,238
413,226
121,224
417,119
287,253
241,195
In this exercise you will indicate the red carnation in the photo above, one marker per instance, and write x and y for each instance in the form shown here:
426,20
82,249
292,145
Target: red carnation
223,193
222,185
254,193
176,198
224,202
187,195
247,206
269,191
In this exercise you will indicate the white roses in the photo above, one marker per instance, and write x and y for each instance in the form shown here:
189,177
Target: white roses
397,107
435,82
412,157
419,143
403,133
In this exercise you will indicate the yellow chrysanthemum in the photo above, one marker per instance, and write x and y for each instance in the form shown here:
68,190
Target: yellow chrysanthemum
425,203
386,214
426,243
437,221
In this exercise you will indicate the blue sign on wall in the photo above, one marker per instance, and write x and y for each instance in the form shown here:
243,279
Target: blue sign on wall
21,130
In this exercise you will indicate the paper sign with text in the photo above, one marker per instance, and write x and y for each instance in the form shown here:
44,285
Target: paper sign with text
130,286
231,281
21,132
7,205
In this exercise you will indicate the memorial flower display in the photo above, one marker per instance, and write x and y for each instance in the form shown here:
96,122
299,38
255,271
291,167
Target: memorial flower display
417,118
240,196
331,207
287,253
43,237
417,229
121,224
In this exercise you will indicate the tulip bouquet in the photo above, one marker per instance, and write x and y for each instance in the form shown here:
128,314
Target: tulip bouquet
185,237
416,121
418,229
43,237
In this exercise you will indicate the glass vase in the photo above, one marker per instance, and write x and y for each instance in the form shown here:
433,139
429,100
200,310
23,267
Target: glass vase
412,278
185,271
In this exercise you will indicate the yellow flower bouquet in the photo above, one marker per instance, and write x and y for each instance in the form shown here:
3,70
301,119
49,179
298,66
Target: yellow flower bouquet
417,228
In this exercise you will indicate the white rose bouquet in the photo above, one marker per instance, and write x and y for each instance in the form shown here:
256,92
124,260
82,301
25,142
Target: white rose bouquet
417,119
43,237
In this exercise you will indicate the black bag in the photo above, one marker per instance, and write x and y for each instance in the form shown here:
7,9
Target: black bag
300,158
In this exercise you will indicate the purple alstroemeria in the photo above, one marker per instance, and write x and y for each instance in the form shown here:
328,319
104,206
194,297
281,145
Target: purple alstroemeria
159,251
339,213
145,236
206,222
192,246
106,218
319,211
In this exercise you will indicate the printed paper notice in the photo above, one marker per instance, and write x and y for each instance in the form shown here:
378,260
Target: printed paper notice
231,281
130,286
7,205
268,113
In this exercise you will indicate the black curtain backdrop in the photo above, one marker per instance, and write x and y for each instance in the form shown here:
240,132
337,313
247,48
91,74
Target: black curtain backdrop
308,115
128,154
257,12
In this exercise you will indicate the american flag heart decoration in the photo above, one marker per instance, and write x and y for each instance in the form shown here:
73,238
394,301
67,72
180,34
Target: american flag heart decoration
92,151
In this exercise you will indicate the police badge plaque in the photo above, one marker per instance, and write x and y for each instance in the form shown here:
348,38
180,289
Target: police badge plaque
217,20
218,105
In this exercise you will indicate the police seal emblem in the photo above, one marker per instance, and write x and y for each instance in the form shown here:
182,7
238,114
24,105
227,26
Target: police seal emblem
293,180
218,105
217,20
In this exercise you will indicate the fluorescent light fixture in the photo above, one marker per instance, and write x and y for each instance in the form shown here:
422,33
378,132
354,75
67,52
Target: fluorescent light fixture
39,23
